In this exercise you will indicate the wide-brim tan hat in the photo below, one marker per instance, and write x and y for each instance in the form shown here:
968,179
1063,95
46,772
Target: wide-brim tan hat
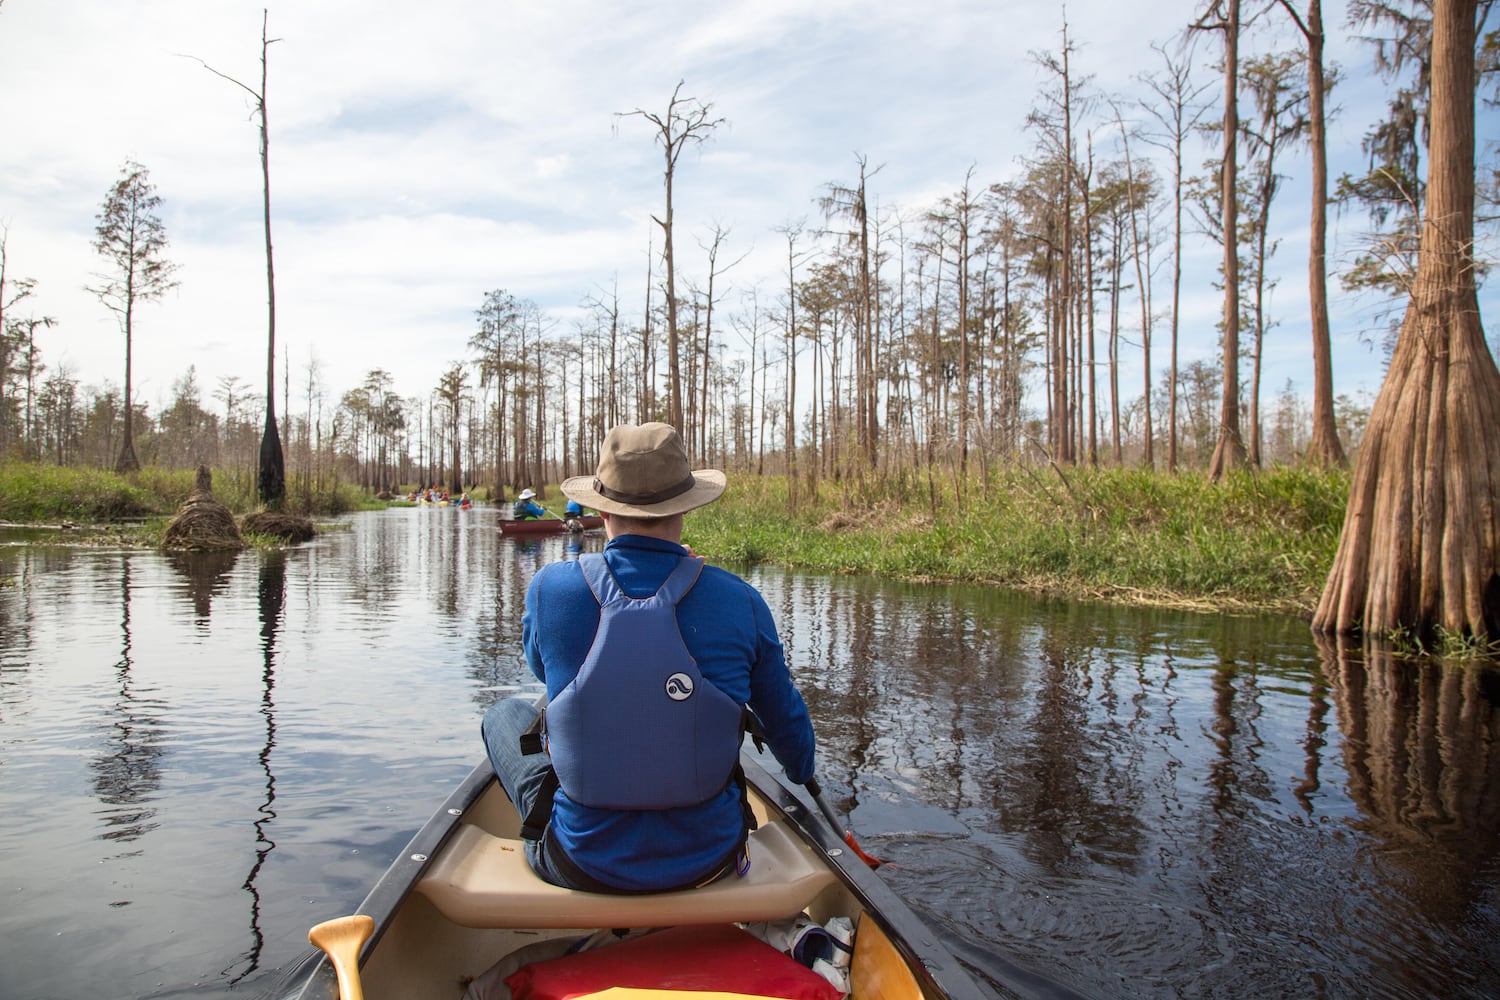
644,472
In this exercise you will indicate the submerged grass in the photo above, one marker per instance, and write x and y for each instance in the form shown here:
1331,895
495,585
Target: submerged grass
1255,541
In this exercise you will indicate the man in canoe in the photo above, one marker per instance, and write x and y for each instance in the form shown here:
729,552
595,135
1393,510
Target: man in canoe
655,664
573,514
525,508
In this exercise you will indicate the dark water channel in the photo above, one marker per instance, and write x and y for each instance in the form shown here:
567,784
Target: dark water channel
201,757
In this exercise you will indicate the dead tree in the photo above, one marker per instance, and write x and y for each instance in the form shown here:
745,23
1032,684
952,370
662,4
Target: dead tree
271,481
1178,113
687,120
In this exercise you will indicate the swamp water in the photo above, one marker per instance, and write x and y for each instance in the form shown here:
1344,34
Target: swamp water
202,756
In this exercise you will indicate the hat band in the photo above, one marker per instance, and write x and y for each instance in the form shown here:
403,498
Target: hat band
645,499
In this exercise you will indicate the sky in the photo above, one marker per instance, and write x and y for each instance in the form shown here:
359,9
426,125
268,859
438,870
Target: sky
424,154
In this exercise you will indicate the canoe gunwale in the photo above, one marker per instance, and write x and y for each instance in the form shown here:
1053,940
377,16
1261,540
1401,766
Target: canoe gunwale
924,954
400,878
547,525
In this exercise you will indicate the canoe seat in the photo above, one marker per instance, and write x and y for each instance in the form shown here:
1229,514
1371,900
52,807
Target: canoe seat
480,880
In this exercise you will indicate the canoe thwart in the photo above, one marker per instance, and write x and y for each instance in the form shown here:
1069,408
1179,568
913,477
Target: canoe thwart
484,881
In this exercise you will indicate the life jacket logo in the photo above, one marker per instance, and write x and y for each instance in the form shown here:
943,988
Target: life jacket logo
679,687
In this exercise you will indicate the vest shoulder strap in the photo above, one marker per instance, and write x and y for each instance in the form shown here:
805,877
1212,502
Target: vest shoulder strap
681,580
600,580
597,574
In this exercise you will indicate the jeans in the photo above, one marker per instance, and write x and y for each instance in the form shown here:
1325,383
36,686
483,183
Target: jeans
520,774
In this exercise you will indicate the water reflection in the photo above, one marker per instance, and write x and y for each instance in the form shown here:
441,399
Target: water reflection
127,769
447,581
270,599
1081,799
207,575
1421,744
499,597
1421,747
1313,742
1103,796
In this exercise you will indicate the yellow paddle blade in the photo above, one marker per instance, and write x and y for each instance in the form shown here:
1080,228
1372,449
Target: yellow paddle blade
341,938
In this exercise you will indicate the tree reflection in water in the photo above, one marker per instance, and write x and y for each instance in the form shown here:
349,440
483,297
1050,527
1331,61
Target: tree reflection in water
1088,797
271,597
1114,802
1421,746
1313,741
127,771
207,575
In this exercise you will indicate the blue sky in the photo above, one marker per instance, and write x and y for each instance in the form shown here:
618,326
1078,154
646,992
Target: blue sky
423,154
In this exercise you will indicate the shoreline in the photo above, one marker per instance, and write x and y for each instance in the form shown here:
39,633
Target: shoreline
1256,543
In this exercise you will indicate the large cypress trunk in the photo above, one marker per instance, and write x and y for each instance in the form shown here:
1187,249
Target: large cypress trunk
1419,545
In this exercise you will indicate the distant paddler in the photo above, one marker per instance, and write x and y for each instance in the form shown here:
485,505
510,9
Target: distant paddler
573,514
525,509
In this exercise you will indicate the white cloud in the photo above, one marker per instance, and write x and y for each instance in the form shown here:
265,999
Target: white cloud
424,154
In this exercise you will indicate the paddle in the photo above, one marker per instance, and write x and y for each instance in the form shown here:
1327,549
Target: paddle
341,939
833,821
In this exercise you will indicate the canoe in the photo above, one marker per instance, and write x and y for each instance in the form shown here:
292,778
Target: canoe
461,897
550,525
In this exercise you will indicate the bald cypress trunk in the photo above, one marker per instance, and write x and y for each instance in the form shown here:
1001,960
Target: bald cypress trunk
1229,451
1324,448
1419,546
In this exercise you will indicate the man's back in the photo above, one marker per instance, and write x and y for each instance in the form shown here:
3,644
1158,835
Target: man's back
728,629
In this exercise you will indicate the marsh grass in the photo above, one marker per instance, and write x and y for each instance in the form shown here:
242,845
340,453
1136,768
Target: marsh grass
1263,541
47,494
1253,542
1443,644
32,494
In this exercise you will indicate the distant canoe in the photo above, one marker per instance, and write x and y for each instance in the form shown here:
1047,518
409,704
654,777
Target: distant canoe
550,525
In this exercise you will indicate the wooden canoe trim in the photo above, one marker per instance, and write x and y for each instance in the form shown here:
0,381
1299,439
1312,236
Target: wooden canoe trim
878,972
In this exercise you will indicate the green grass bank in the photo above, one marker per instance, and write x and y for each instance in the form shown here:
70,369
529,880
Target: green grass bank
1261,541
136,507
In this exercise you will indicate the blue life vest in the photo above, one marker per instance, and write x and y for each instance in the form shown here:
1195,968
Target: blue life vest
640,727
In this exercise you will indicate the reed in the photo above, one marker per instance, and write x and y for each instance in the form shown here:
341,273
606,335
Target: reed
1260,541
32,493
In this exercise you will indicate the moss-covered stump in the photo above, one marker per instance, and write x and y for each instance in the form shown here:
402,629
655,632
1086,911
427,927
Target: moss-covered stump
287,527
202,524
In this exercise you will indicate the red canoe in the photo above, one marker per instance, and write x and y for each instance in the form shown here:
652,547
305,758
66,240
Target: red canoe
550,525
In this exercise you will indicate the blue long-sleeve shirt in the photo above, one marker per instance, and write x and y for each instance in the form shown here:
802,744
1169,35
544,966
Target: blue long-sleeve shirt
727,627
526,508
